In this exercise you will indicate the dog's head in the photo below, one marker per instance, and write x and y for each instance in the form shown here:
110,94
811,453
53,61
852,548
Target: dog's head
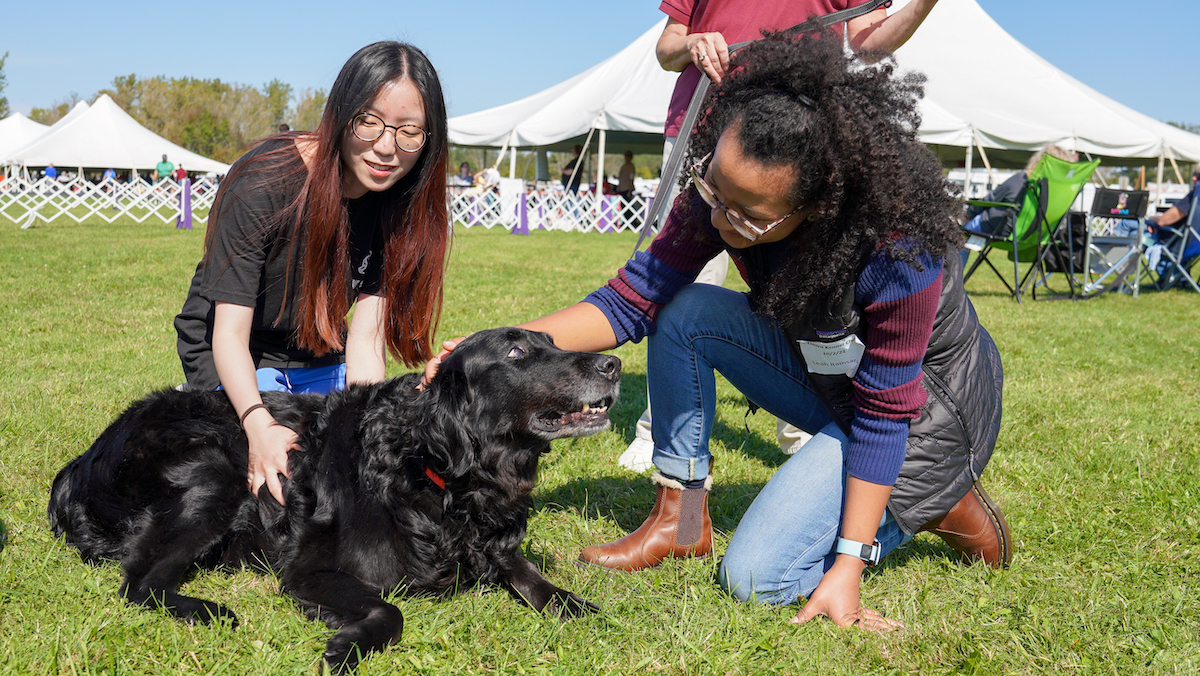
521,385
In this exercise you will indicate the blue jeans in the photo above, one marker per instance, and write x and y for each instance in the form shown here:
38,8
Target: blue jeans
313,380
974,225
784,543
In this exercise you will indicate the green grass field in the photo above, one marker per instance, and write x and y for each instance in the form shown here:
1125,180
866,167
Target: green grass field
1097,468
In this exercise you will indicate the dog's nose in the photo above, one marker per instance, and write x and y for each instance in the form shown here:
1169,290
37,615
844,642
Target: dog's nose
609,366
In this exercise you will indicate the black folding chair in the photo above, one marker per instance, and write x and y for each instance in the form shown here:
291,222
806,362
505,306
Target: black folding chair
1113,256
1177,250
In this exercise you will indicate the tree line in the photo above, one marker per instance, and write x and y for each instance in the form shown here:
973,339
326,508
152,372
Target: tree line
220,120
4,111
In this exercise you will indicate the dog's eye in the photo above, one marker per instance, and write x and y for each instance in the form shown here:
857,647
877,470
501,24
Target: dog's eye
516,352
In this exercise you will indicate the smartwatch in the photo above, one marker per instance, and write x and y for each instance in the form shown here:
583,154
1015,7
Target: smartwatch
869,553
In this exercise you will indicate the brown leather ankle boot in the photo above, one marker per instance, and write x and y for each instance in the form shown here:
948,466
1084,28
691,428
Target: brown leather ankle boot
976,529
678,526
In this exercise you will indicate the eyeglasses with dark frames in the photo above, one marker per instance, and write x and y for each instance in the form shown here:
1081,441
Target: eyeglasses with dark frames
408,137
740,223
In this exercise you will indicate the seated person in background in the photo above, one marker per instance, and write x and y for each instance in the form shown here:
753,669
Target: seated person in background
465,177
1160,228
1000,220
1179,211
487,179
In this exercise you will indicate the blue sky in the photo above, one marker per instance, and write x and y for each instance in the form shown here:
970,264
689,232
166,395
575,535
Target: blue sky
490,52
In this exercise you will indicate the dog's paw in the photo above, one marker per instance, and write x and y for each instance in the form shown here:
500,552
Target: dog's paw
565,606
208,613
342,654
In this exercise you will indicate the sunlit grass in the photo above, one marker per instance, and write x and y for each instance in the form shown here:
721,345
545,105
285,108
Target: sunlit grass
1097,468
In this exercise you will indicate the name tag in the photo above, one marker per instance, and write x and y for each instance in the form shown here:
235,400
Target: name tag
828,359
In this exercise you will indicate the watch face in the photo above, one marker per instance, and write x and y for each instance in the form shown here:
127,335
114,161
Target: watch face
869,553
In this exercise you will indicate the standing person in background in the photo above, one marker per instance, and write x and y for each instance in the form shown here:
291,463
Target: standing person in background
696,39
163,169
51,173
571,184
625,176
307,225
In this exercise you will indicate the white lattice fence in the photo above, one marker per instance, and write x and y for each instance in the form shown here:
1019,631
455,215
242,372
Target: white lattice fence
549,210
47,200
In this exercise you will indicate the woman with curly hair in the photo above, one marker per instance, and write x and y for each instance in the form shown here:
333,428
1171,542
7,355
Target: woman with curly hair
806,168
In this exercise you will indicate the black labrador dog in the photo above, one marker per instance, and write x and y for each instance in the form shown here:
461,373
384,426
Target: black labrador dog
425,491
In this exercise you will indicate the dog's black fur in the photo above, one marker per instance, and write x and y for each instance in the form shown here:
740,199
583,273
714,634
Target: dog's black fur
164,488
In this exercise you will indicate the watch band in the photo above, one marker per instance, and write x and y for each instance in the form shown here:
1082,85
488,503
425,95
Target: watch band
869,553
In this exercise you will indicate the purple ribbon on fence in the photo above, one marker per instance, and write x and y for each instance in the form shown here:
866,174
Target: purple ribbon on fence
522,226
184,220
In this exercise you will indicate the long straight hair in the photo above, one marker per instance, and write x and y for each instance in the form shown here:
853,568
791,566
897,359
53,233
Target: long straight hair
414,216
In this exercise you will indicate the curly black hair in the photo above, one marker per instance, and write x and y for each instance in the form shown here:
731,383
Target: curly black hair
798,99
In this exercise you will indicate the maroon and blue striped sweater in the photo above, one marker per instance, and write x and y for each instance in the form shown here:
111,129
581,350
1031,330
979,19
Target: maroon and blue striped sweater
898,306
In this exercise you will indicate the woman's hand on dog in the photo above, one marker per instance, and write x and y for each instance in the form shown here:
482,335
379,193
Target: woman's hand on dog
431,366
269,446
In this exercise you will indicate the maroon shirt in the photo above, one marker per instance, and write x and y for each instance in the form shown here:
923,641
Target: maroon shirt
737,21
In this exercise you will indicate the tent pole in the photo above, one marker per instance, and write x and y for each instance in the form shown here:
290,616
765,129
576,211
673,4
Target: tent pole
599,190
984,157
600,163
967,178
1158,196
1175,166
587,143
512,159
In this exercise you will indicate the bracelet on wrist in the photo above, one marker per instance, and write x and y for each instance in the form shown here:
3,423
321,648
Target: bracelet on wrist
248,411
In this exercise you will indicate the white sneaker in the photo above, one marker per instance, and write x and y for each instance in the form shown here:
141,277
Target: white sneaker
790,438
639,456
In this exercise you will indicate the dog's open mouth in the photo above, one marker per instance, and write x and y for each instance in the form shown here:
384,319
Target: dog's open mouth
589,419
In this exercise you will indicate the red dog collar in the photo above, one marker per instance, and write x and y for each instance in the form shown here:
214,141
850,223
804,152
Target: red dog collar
433,476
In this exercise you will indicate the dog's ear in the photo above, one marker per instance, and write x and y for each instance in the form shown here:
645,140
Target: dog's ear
448,429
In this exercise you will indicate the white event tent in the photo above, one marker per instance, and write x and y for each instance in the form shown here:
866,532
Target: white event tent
1010,101
624,98
16,131
985,91
103,136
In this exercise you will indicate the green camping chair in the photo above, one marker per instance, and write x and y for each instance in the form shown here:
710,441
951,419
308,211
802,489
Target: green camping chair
1041,229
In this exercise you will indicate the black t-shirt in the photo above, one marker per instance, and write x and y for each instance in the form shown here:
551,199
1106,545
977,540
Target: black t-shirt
566,174
252,263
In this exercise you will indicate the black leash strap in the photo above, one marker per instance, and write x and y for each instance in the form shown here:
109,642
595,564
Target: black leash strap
670,174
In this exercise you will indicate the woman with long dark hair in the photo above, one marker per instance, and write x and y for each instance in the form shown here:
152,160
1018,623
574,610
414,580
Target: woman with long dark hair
310,224
807,169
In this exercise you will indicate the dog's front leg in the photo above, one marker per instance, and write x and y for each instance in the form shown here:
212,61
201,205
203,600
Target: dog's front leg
526,583
365,622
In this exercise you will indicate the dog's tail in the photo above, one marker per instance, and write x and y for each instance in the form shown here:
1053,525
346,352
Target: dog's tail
71,510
